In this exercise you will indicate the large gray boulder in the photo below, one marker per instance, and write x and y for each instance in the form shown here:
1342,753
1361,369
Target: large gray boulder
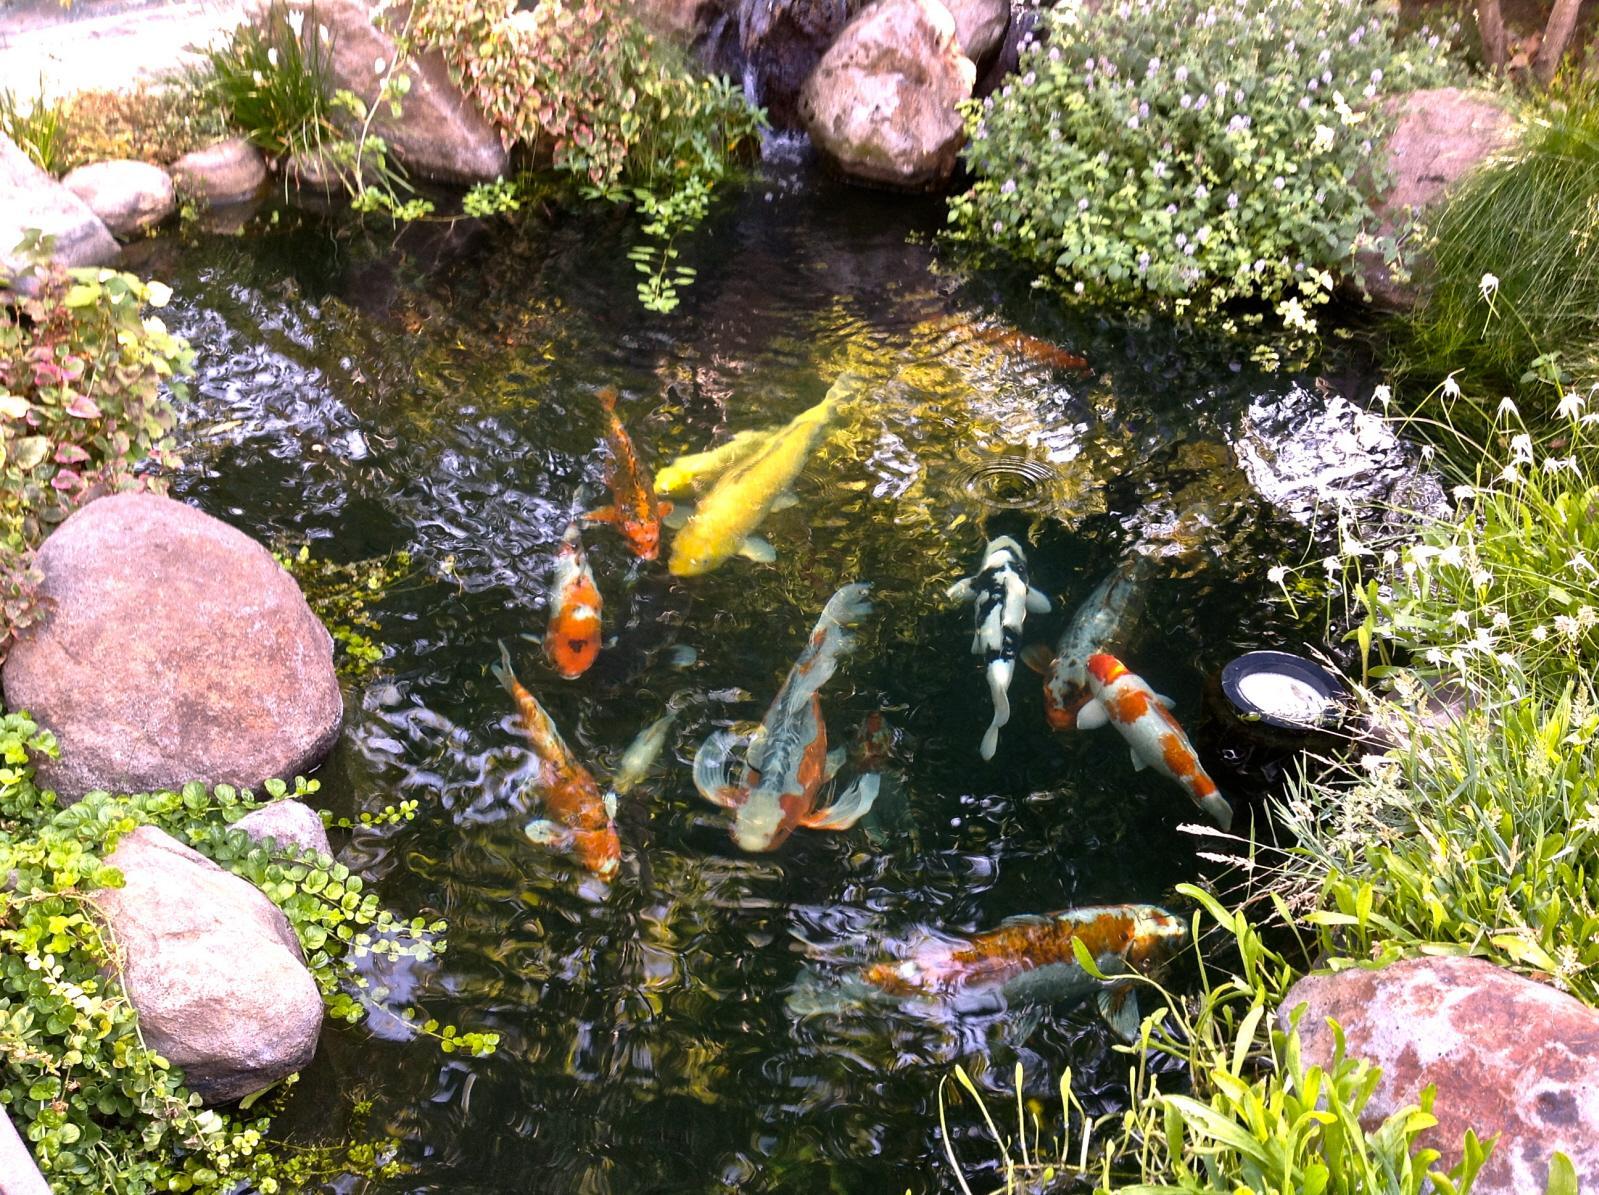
1507,1056
174,649
31,199
19,1174
439,133
1443,133
881,105
128,196
229,172
979,25
211,967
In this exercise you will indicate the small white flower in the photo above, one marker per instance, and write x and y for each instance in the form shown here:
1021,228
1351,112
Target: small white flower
1383,394
1452,556
1427,452
1077,288
1540,633
1567,626
1501,620
297,23
378,64
1460,618
272,56
1451,387
1324,138
1082,204
1330,564
1277,573
1570,405
1464,493
1489,285
1521,449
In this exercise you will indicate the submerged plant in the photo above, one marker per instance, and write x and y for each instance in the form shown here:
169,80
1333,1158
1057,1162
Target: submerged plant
341,594
1210,162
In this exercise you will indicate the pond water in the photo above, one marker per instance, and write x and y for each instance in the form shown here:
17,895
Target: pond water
434,392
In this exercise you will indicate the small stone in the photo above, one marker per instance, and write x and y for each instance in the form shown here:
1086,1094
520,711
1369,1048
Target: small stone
882,103
212,968
230,171
979,25
313,170
129,196
31,199
1506,1055
174,648
289,823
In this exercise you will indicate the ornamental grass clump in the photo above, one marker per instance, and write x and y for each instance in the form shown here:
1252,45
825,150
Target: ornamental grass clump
1213,162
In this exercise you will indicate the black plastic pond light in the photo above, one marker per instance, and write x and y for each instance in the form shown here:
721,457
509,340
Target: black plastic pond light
1284,691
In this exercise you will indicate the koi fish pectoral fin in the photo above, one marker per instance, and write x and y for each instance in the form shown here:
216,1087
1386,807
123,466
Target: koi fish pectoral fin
1166,701
757,549
1039,658
710,770
785,500
1139,762
1119,1006
1037,603
1217,806
850,807
1092,716
664,510
835,760
550,834
602,514
962,590
678,515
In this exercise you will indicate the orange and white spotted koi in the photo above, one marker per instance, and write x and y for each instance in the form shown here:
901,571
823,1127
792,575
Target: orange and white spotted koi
1144,718
572,642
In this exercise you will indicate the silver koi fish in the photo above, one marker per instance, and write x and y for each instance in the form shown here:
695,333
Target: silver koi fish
1101,622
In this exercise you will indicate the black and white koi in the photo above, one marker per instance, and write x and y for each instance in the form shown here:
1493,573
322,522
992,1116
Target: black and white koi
1003,600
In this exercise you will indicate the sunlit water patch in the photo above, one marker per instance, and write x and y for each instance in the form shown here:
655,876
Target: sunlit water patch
435,392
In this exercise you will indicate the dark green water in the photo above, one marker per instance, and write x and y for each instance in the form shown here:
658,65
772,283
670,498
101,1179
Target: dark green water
434,393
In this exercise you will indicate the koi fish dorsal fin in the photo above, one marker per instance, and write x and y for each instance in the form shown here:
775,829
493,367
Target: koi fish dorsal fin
850,807
1119,1006
1039,658
1092,716
1018,920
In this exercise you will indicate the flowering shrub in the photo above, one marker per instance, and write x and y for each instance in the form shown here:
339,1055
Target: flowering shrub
1159,154
86,388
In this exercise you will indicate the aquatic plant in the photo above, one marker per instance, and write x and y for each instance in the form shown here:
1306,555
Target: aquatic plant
36,126
1256,1116
614,107
1515,259
87,387
341,596
1208,163
100,1109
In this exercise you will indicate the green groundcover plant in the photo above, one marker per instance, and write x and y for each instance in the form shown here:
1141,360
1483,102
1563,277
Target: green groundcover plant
1213,161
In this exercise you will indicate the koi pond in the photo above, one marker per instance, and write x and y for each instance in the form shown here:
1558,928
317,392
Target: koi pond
435,392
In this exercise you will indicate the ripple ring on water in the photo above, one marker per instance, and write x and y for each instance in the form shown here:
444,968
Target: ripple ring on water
1012,483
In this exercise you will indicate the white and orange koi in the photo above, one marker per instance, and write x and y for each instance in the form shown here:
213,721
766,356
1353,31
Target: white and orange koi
1144,719
786,762
581,819
1099,624
572,642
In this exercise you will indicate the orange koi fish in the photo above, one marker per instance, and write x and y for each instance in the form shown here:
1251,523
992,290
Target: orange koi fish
1032,348
581,820
634,509
786,762
1144,718
1031,959
572,642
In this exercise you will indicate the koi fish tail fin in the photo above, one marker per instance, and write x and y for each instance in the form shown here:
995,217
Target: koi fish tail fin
1217,806
990,743
851,806
502,671
710,769
573,535
999,677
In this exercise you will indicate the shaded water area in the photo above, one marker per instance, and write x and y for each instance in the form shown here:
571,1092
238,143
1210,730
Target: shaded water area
435,393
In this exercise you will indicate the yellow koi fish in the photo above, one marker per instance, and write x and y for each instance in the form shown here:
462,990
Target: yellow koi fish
725,523
696,470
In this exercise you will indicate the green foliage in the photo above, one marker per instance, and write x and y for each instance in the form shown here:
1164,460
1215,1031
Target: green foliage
1256,1116
36,126
1516,257
157,122
1203,161
101,1110
87,383
614,107
341,595
273,80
